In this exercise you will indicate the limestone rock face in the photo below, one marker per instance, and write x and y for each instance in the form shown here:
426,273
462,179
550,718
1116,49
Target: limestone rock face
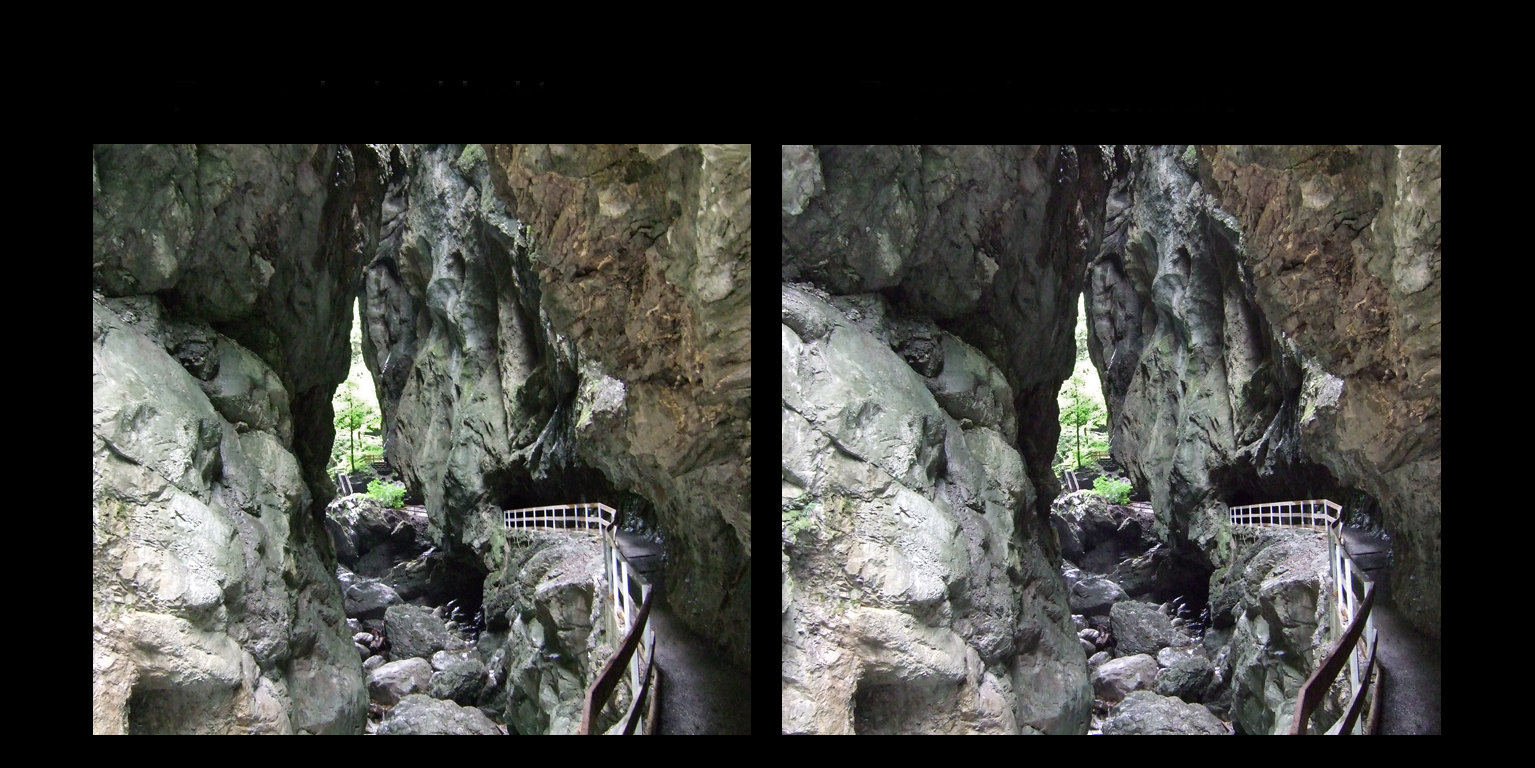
1267,324
221,277
920,581
1343,245
558,323
900,585
213,609
989,239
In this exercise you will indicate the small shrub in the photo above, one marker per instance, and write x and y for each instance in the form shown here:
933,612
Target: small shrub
796,516
1117,491
388,494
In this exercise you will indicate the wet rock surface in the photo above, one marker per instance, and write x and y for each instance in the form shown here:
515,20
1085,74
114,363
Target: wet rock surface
219,273
420,715
1144,713
1267,323
913,517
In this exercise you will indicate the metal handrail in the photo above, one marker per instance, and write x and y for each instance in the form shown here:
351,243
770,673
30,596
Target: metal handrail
636,654
1353,612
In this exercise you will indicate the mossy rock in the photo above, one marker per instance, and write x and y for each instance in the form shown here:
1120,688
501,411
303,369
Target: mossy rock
470,159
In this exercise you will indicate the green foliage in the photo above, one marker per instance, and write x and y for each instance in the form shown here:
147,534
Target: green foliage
796,514
1081,416
1117,491
354,418
388,494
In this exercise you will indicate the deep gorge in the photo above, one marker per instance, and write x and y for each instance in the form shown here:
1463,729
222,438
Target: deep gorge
543,324
1264,323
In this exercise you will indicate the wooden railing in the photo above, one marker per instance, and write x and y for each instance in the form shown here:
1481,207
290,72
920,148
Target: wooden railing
1353,612
636,652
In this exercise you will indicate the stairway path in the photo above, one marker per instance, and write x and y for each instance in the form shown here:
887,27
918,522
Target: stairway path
1410,688
701,690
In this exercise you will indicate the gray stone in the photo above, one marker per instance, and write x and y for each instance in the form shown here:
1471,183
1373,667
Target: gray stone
1186,679
1146,713
1141,628
393,681
459,676
1112,680
203,580
1095,596
1098,659
372,663
369,599
1281,630
1167,657
413,631
420,715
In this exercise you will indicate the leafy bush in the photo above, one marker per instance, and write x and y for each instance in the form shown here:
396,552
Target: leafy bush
388,494
1117,491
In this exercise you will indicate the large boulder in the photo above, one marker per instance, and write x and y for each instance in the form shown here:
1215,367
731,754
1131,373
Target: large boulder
1095,596
421,715
1282,630
413,631
1146,713
1186,679
1112,680
369,599
395,680
1142,628
548,634
459,675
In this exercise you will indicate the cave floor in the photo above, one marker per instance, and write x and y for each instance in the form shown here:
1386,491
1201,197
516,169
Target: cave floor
701,690
1410,688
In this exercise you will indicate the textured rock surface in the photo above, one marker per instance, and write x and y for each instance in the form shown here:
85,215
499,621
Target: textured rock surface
222,276
546,606
611,355
1095,595
414,631
989,239
421,715
1186,679
1112,680
920,588
1141,628
459,676
901,610
1146,713
1267,324
390,682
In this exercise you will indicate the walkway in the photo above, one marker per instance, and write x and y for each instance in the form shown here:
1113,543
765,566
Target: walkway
701,691
1410,687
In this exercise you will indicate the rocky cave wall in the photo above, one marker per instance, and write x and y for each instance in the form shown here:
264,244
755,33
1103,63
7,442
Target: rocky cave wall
555,323
222,282
928,311
1266,325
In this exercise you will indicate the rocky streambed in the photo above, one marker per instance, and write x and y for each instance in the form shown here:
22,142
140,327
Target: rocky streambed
1174,648
504,639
